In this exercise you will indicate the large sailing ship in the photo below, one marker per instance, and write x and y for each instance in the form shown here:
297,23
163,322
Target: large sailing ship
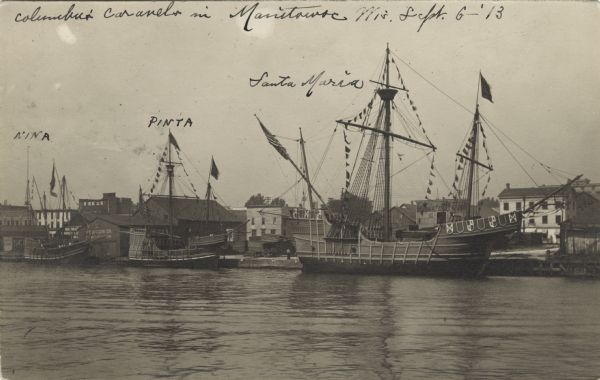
361,237
157,248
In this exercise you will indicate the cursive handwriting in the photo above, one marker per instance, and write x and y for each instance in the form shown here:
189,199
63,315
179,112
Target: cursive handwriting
288,13
317,79
167,12
70,14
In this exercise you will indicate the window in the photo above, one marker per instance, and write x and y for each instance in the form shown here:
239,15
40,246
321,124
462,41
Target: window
505,206
253,232
273,232
530,204
263,220
558,204
263,231
252,221
274,220
545,219
518,206
531,221
545,206
558,219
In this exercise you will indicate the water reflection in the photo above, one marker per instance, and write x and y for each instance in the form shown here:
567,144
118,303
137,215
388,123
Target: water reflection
132,323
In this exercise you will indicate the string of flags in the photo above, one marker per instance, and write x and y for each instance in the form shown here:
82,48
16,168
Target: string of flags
158,170
347,151
431,177
365,111
411,102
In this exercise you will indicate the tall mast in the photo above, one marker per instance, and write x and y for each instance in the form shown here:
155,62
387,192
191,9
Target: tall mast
472,165
310,195
473,160
387,94
170,167
208,193
27,197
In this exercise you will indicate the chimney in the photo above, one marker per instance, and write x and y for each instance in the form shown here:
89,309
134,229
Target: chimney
508,185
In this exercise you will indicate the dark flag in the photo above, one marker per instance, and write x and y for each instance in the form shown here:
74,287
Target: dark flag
214,171
486,91
173,142
273,140
53,181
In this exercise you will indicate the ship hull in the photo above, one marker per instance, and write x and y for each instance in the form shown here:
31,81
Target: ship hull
74,254
206,261
454,249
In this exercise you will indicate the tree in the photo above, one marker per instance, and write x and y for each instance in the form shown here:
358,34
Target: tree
255,200
278,202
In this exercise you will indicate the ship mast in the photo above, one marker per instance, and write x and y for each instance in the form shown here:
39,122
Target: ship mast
387,94
471,210
310,195
170,174
27,197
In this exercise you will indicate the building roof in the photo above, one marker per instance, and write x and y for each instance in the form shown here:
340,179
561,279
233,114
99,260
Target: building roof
192,209
531,192
127,220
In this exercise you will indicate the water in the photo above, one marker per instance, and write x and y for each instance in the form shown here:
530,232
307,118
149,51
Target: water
134,323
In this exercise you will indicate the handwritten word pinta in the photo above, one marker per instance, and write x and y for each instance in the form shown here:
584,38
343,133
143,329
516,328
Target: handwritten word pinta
181,122
250,12
312,81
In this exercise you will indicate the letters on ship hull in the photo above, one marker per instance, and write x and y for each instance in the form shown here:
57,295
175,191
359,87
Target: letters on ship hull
459,248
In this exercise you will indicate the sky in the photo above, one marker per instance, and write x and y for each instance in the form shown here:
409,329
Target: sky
93,87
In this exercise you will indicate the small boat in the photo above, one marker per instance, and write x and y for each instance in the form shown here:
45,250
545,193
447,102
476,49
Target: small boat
67,253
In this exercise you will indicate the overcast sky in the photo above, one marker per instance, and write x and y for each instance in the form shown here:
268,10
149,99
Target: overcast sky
93,86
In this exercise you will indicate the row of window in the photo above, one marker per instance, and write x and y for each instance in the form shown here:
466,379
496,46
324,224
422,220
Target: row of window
93,203
263,231
557,219
558,205
262,220
11,222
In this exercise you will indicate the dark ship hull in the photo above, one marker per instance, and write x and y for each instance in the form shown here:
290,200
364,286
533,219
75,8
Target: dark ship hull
197,261
143,252
77,253
458,249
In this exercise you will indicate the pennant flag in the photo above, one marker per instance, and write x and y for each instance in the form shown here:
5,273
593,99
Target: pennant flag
172,141
214,171
486,91
273,140
53,181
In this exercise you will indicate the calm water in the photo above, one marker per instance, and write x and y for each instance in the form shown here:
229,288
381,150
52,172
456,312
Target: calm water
126,323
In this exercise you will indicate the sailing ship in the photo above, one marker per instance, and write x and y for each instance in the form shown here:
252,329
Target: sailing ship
361,239
151,247
61,245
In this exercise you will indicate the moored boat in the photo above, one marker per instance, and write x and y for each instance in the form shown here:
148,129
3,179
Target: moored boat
67,253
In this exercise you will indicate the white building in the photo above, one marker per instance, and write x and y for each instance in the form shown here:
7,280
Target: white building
265,220
545,219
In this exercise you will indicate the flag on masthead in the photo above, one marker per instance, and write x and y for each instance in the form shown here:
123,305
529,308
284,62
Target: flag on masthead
486,91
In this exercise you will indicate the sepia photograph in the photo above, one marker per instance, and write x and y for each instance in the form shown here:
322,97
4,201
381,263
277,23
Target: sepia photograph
299,190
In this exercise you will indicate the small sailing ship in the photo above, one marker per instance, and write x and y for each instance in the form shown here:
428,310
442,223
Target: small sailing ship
61,245
361,239
159,248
